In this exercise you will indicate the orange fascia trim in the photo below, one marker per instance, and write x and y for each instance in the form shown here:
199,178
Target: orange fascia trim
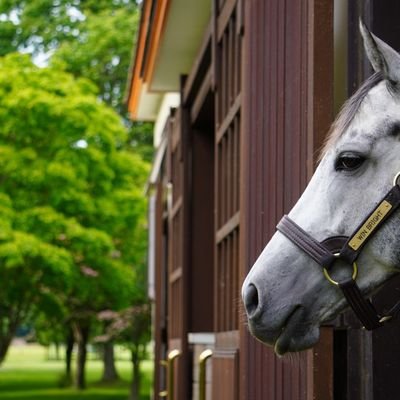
156,31
136,80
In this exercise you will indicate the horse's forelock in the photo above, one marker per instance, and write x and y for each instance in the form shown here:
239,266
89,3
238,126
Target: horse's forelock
349,111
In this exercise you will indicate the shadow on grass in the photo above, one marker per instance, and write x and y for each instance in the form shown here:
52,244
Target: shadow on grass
28,377
34,385
63,394
17,381
38,385
37,390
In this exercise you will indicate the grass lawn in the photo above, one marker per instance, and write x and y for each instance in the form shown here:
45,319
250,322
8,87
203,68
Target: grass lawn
27,375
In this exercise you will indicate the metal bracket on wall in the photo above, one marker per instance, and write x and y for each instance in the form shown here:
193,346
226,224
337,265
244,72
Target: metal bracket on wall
203,357
163,393
169,364
172,355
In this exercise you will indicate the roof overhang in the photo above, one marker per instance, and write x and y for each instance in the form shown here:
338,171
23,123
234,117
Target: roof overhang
170,35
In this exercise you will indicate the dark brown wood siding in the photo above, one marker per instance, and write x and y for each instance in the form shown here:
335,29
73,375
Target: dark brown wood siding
228,50
160,306
178,236
176,227
201,291
287,109
227,67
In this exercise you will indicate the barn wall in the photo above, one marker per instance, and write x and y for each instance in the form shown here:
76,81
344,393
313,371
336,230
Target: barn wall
227,56
260,95
287,109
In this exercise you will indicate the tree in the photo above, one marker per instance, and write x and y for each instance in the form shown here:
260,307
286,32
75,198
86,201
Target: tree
130,327
41,26
72,200
102,54
88,38
31,272
48,326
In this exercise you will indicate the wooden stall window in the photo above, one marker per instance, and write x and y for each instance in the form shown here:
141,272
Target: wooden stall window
176,228
228,42
177,265
227,64
160,312
287,109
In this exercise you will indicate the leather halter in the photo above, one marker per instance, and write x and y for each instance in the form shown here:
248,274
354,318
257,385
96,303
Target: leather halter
347,249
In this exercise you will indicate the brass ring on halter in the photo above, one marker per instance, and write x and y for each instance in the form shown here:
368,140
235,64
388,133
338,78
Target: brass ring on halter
385,318
396,178
336,283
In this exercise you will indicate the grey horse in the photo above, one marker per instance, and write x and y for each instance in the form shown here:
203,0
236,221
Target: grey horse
286,295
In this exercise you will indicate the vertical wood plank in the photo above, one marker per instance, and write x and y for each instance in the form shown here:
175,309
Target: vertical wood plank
284,109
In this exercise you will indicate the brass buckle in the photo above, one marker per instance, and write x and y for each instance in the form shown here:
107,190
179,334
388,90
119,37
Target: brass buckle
396,178
336,283
385,318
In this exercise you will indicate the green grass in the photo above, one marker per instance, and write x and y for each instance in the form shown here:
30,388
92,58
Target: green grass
28,375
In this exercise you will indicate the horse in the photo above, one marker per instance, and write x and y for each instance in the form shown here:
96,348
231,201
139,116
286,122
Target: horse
341,241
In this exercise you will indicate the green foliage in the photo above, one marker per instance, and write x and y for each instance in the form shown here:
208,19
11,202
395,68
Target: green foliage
44,24
103,53
92,39
141,138
71,198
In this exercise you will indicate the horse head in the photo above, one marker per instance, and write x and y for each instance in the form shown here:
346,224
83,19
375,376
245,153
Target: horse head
286,294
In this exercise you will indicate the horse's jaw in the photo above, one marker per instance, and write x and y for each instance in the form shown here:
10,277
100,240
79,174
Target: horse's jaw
295,335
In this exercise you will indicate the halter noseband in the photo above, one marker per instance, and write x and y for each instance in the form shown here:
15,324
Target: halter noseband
347,249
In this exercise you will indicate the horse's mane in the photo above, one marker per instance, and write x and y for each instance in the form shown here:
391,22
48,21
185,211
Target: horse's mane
349,111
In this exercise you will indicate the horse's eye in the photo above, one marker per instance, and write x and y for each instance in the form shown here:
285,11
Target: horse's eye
348,162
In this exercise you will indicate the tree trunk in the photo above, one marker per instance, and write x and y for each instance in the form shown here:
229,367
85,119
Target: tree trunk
110,372
5,342
135,384
68,354
82,337
9,326
57,347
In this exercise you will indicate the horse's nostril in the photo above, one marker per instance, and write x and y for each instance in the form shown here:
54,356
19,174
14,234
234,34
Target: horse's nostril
251,299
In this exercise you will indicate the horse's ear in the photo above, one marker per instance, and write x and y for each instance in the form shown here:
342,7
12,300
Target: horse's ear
382,57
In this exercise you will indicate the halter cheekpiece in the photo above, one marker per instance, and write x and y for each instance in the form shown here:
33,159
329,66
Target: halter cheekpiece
347,249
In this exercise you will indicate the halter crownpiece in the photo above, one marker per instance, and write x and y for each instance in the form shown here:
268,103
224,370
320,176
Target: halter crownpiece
347,249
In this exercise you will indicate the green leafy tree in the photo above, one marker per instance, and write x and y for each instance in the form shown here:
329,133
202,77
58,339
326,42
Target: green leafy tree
91,39
42,25
31,272
102,54
88,38
48,327
71,197
130,327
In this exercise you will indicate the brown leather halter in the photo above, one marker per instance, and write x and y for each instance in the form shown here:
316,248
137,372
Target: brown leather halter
347,249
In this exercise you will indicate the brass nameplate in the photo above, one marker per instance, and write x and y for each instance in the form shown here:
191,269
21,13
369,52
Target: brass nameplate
373,221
